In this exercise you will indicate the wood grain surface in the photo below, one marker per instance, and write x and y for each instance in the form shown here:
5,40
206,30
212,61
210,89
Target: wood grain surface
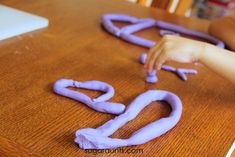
36,122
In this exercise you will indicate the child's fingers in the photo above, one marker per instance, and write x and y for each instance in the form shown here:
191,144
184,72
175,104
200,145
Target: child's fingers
151,52
160,60
152,60
149,55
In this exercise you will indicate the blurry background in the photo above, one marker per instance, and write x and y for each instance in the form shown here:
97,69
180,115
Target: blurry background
208,9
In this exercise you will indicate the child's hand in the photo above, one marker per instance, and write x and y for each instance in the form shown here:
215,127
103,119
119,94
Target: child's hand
176,49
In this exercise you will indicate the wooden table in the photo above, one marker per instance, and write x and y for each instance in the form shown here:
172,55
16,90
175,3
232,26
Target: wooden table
36,122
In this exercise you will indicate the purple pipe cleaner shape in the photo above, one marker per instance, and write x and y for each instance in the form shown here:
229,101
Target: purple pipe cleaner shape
99,138
152,77
138,24
98,104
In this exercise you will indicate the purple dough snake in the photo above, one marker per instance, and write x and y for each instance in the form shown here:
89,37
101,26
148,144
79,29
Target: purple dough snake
110,27
163,32
180,29
98,104
152,77
89,138
138,24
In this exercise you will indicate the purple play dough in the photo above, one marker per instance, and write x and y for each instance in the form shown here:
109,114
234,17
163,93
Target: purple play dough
182,72
180,29
143,58
126,33
89,138
179,71
152,77
139,24
108,25
144,23
163,32
168,68
98,104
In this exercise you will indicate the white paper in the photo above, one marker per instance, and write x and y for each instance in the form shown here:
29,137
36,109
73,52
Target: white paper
14,22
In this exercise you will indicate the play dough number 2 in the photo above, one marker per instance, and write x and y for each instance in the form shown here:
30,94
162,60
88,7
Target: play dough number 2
89,138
